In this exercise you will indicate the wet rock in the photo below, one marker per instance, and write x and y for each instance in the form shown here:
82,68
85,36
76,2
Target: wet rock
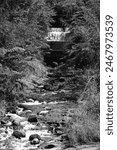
64,137
51,129
57,131
16,120
35,141
32,118
15,125
44,112
30,100
24,123
38,113
49,146
26,113
19,111
40,118
3,122
34,136
6,123
47,108
15,117
22,106
18,134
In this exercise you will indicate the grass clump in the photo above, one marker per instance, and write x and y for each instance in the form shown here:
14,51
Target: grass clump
84,126
85,131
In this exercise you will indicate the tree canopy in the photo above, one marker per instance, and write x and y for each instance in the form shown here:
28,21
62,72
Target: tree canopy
23,27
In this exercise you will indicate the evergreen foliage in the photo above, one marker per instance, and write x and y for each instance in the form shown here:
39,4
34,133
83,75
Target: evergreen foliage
23,26
82,46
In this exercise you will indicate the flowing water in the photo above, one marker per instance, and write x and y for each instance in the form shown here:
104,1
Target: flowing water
48,140
8,142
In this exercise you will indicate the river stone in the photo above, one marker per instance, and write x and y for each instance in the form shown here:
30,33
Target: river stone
16,119
26,113
35,141
32,118
3,122
34,136
47,108
19,134
64,137
44,112
49,146
23,106
58,131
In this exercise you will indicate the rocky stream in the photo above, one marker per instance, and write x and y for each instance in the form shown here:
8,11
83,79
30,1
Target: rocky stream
34,127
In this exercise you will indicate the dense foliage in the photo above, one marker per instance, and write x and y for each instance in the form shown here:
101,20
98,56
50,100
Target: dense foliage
80,64
23,26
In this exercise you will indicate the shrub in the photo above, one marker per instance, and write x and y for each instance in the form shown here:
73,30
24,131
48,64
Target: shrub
84,126
85,132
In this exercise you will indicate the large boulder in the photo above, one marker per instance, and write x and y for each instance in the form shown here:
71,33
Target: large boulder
34,136
16,119
18,134
5,122
32,118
